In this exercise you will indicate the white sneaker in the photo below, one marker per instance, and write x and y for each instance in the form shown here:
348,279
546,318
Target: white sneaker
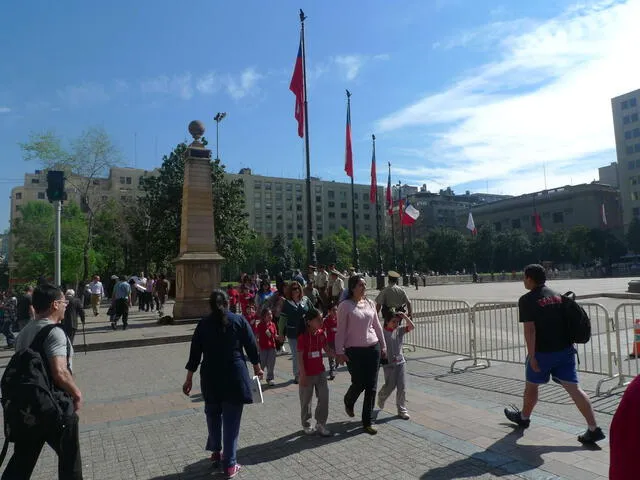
309,430
404,415
323,431
271,383
380,403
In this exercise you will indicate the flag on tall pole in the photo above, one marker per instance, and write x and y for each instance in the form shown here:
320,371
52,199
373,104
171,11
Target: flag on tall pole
348,152
538,222
297,87
389,194
604,215
471,226
373,190
410,214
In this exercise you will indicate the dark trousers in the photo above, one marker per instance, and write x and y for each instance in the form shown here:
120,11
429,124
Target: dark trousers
122,310
363,365
223,424
66,444
6,331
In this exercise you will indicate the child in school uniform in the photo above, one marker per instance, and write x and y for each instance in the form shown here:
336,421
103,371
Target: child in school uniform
394,368
312,378
252,318
330,327
266,334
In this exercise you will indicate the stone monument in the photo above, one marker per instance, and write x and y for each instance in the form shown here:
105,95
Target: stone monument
198,263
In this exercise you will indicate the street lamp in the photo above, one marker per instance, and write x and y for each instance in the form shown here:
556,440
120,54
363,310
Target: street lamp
218,118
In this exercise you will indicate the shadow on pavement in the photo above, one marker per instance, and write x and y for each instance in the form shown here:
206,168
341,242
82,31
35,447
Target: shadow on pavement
503,457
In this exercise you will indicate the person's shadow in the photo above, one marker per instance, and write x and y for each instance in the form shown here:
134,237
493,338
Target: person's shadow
498,460
270,451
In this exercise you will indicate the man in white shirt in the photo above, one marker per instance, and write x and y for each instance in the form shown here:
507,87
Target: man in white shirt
97,292
337,285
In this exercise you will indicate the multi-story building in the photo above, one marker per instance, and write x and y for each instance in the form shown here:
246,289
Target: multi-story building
609,175
626,126
559,209
278,206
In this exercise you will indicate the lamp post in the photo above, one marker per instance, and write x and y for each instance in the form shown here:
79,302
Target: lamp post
218,118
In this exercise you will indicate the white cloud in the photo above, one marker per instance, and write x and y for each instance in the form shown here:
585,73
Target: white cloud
5,110
208,83
245,84
84,94
546,98
350,66
121,86
179,85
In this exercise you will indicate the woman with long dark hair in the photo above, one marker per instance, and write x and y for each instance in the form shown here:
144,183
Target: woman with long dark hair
360,344
221,340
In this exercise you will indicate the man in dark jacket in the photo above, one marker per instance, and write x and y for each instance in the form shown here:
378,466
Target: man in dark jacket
72,313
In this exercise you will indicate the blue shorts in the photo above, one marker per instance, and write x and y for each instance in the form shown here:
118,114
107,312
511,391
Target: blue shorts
560,366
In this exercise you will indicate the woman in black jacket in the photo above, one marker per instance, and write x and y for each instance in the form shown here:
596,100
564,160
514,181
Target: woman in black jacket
221,340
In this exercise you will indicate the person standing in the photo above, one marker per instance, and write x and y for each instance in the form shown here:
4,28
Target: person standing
322,279
25,311
122,302
393,298
550,353
360,344
73,311
266,334
330,327
337,286
148,294
97,292
49,306
220,341
5,322
162,291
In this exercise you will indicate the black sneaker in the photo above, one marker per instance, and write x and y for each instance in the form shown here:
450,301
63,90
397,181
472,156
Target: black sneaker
349,410
592,437
113,325
514,415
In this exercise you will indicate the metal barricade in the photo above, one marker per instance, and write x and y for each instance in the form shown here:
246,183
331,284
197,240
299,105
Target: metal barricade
627,342
442,325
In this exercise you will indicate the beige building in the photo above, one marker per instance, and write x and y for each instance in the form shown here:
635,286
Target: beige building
626,126
609,175
278,206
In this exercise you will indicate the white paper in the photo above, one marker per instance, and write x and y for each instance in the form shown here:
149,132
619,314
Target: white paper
256,390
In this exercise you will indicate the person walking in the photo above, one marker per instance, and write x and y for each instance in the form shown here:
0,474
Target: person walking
550,353
292,320
25,311
5,322
97,292
393,298
220,341
73,311
161,288
266,334
122,302
264,294
49,306
360,344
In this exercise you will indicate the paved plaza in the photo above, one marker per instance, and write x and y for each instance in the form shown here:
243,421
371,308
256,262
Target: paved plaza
136,423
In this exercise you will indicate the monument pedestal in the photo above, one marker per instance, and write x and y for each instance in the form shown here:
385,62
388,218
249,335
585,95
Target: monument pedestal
198,263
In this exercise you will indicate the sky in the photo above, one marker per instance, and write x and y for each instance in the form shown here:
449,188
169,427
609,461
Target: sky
480,95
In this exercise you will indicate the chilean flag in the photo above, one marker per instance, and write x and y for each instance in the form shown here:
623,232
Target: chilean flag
297,87
410,215
471,225
538,222
373,189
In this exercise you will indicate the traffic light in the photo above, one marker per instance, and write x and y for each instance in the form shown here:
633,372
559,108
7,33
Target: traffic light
55,185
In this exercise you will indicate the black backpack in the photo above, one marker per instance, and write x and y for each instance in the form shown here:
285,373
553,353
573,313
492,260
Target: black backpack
30,401
578,322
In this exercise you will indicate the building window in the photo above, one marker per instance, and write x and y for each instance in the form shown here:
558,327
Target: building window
298,208
631,164
633,180
332,214
128,180
632,102
367,228
331,194
343,215
298,196
636,147
638,163
629,149
35,180
331,204
365,206
332,226
318,218
365,196
497,226
634,117
122,179
636,132
515,223
299,217
319,236
636,212
367,216
628,134
40,195
318,199
288,187
278,187
298,187
267,185
624,105
343,195
318,208
318,189
558,217
625,120
343,205
635,196
257,185
19,196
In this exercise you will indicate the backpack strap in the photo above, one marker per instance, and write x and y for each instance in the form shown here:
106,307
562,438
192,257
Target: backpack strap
38,343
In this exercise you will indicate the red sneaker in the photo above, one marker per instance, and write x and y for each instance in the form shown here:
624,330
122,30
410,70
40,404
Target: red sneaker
233,471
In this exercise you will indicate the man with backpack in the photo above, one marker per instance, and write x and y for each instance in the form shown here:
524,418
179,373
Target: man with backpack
44,357
549,336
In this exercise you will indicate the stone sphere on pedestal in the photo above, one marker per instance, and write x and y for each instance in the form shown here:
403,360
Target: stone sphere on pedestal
196,129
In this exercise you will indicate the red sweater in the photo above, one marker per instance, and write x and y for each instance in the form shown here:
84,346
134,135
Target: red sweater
624,435
266,340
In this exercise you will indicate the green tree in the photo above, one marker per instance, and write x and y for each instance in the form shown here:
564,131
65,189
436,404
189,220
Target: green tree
482,248
513,250
258,258
578,244
111,234
299,253
368,252
86,158
421,255
162,203
282,257
633,236
447,250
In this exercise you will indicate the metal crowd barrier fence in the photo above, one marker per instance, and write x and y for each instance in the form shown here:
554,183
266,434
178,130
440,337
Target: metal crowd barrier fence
490,331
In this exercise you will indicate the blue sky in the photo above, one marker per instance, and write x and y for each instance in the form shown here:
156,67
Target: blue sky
466,93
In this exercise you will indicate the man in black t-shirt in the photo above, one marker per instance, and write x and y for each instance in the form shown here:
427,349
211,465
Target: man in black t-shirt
25,310
550,353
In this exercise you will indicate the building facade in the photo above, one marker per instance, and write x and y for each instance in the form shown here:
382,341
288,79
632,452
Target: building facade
278,206
559,209
626,126
609,175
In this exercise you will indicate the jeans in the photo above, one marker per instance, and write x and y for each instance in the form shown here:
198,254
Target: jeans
363,365
293,343
66,445
122,310
8,334
223,424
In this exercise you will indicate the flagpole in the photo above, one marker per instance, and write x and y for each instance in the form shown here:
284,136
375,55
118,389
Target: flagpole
410,249
404,257
393,235
354,241
311,241
380,266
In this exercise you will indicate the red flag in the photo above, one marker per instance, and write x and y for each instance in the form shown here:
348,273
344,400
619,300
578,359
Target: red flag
297,87
538,223
389,195
400,209
348,153
373,191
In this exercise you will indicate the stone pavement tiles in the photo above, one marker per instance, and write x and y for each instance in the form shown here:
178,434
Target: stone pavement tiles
137,425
